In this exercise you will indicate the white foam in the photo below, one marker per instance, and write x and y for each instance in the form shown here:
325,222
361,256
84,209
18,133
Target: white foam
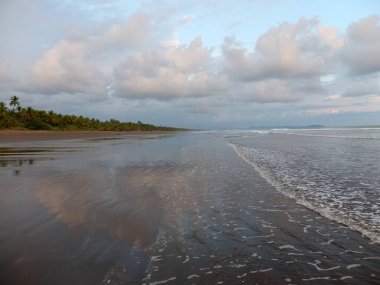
344,133
287,246
328,242
162,281
353,266
241,276
323,269
186,260
305,228
366,223
156,258
237,265
317,278
266,270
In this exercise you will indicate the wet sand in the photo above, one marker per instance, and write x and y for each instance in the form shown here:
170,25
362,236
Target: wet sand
181,209
7,136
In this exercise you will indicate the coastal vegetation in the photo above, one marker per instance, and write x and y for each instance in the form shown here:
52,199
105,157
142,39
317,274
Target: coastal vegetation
15,116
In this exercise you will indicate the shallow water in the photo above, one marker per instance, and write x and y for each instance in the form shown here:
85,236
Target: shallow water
181,209
333,171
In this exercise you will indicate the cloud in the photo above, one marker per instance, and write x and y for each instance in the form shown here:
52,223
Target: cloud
154,68
8,80
348,105
362,87
5,74
270,91
72,66
287,51
168,73
361,50
187,18
333,97
133,33
65,68
149,66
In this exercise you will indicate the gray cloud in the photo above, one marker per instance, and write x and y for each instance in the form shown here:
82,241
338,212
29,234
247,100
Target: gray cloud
8,79
361,50
362,86
5,74
270,91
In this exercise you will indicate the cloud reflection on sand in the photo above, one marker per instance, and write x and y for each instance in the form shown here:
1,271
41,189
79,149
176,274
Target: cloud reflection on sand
125,203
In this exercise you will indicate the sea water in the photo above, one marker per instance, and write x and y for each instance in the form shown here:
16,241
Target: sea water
335,172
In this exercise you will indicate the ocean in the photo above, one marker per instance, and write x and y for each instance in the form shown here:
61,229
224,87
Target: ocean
220,207
335,172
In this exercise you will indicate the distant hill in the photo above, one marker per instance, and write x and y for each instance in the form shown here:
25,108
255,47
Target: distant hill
288,127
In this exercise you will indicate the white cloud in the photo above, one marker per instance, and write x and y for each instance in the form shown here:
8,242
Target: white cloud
326,79
286,51
73,66
187,18
133,33
289,62
65,68
168,73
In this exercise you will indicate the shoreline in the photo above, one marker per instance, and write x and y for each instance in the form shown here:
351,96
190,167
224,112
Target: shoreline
198,212
16,136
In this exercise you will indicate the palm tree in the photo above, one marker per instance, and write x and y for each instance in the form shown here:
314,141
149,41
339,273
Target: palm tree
3,107
14,101
3,111
29,114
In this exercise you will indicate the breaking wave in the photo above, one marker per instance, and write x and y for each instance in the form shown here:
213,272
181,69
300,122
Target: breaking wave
352,206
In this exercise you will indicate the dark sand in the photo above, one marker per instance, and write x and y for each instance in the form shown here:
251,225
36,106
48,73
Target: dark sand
7,136
181,209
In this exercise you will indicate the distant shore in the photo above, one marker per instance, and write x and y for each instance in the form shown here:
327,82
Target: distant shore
7,136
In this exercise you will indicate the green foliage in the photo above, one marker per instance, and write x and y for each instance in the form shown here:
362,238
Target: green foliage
29,118
37,125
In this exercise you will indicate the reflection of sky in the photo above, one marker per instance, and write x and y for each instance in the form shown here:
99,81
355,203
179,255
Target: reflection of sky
121,209
113,187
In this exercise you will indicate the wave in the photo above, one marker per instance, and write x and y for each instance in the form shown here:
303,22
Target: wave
355,221
344,133
329,136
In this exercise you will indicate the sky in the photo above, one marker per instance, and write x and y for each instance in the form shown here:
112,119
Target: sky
208,64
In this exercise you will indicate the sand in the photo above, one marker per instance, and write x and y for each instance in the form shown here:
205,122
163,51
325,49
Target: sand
7,136
181,209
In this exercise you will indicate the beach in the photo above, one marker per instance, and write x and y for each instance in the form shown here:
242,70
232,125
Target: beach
7,136
168,208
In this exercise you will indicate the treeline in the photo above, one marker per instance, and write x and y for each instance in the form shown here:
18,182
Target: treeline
16,116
